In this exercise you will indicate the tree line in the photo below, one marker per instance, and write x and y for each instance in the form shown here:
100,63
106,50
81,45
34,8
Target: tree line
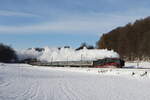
7,54
131,41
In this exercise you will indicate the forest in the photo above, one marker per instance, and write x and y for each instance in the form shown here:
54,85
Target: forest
131,41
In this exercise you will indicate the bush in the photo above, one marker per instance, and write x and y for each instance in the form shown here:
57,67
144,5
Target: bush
7,54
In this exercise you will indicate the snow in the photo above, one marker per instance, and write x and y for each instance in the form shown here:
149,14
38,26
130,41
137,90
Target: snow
66,54
138,64
26,82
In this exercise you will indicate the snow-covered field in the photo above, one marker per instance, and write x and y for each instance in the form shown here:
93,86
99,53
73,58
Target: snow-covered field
138,64
25,82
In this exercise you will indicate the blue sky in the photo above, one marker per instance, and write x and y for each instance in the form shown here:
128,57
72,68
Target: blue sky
38,23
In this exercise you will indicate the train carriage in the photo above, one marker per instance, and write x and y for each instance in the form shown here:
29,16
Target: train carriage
99,63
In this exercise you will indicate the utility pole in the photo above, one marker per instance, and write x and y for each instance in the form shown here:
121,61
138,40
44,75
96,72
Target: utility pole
67,61
51,60
81,57
138,62
81,60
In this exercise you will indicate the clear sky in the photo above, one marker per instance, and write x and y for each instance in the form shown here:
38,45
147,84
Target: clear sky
38,23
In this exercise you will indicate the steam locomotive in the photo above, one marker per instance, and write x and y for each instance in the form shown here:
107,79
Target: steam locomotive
99,63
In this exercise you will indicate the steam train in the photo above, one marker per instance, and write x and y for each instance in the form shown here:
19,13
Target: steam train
99,63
